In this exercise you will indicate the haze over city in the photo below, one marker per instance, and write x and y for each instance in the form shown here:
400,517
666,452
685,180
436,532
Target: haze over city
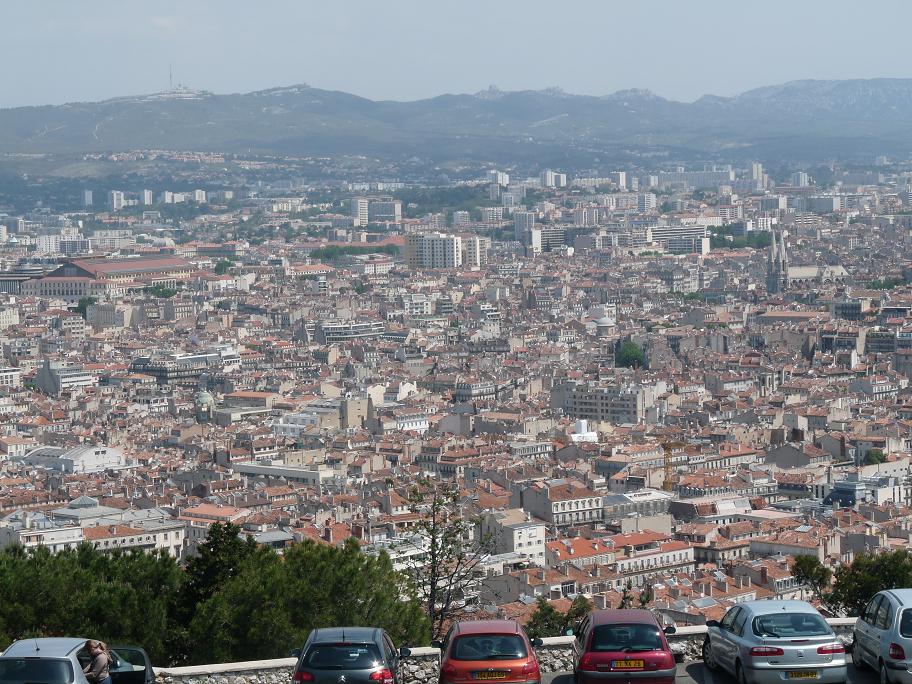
59,51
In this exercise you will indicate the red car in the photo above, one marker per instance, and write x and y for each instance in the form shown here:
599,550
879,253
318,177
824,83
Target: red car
622,646
488,650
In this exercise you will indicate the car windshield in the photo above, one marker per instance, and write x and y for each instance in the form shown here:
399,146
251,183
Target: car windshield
489,647
342,657
35,671
636,637
786,625
905,623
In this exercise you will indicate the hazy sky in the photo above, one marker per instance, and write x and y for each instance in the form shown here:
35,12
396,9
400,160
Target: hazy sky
55,51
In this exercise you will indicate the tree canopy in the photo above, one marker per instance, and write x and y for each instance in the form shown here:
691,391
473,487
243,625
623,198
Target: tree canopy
547,621
630,356
854,584
234,601
83,305
874,456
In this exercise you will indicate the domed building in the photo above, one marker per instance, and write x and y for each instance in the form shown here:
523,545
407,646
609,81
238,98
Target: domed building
204,404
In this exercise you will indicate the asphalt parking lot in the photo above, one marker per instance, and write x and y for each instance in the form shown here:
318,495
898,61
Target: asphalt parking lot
695,673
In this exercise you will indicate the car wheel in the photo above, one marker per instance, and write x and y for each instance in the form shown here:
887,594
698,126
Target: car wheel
857,659
709,659
884,676
740,677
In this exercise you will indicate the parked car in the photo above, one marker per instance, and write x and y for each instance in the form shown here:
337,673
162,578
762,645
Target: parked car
488,650
883,636
622,645
349,655
768,642
61,660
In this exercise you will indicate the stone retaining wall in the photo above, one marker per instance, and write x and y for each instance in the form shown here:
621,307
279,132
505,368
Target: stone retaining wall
422,666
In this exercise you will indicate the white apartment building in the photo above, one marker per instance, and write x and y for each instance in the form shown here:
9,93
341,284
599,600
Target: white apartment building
56,377
86,458
433,250
515,531
10,377
474,251
360,211
562,504
115,200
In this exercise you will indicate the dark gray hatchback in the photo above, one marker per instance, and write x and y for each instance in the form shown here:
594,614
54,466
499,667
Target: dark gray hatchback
349,655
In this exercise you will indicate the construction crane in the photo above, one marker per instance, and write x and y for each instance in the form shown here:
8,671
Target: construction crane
668,447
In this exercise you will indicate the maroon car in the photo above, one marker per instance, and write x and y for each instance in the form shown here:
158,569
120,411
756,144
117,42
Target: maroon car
622,646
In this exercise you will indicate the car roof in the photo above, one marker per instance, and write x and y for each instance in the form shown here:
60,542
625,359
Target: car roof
51,647
767,607
363,634
624,615
903,596
487,627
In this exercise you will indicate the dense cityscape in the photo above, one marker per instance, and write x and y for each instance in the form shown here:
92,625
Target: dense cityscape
323,361
679,379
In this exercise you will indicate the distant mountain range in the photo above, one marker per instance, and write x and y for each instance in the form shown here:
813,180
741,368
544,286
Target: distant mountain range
798,120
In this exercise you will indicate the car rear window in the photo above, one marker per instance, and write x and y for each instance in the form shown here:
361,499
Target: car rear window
342,657
634,637
905,623
489,647
29,670
790,625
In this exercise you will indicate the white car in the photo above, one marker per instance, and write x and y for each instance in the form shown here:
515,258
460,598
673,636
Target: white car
883,636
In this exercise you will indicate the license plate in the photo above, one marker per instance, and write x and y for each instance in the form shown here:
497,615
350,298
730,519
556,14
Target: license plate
627,664
489,675
803,674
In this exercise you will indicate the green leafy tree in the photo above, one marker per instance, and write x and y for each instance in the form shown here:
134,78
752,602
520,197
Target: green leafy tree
222,267
856,583
83,305
546,621
630,356
121,596
874,456
580,607
809,571
218,559
162,292
274,601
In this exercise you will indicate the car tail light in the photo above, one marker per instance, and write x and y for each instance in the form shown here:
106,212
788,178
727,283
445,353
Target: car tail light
830,649
896,652
766,651
303,677
587,662
385,676
530,670
448,672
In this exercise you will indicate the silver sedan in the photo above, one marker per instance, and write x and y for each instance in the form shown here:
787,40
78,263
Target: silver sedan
772,642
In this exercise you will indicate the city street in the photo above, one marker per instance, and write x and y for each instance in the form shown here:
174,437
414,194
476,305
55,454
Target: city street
695,673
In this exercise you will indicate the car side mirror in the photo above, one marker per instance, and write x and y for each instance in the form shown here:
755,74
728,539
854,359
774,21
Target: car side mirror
405,652
537,643
436,643
712,623
670,629
295,653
